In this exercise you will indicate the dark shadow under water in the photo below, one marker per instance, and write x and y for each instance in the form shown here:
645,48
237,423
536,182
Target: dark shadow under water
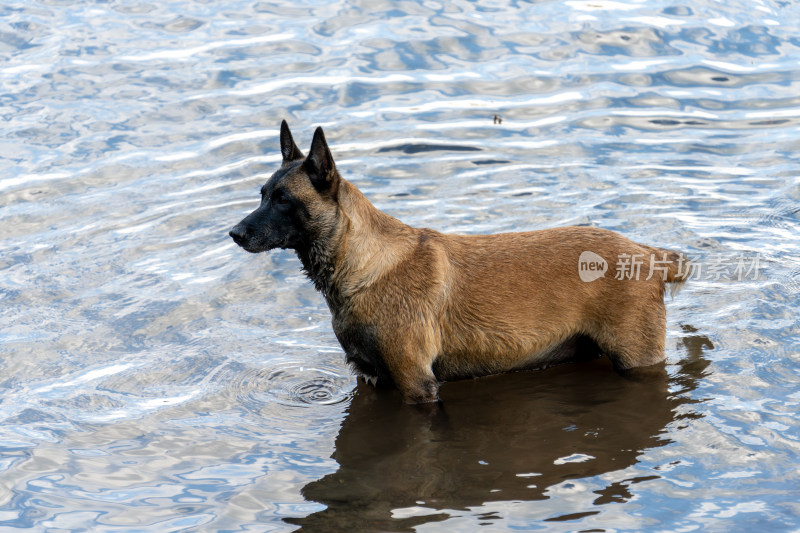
500,438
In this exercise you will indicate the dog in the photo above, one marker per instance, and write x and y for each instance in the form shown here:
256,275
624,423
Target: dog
413,307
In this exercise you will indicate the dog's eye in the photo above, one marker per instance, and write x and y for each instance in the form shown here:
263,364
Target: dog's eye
278,197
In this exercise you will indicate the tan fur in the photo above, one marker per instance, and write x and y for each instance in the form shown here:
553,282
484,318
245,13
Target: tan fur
484,304
415,307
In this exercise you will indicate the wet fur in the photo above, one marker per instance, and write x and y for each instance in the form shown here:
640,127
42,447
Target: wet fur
415,307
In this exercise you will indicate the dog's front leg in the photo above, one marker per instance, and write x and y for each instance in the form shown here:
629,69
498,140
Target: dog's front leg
419,389
414,377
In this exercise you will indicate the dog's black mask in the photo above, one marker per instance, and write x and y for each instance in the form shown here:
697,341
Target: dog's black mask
274,223
294,200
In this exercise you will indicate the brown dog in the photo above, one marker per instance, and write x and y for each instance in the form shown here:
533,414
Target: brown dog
414,307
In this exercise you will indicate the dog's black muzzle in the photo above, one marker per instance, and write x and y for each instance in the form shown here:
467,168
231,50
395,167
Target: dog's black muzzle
244,235
240,233
247,236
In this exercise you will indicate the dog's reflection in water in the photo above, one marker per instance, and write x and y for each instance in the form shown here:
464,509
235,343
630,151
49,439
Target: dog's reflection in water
507,437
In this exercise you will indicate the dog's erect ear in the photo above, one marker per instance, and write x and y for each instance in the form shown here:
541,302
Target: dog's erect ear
319,165
289,149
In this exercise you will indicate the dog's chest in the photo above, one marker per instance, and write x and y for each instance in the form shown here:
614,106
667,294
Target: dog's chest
362,346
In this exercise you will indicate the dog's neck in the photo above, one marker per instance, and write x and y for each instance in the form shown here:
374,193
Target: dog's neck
354,255
318,259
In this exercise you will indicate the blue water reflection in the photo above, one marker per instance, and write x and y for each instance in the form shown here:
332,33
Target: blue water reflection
153,377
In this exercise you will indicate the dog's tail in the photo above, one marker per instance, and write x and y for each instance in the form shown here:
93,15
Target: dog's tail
674,266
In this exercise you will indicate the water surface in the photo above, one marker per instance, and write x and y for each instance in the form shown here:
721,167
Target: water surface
154,377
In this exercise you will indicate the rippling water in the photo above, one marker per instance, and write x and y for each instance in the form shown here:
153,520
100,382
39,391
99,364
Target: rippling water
153,377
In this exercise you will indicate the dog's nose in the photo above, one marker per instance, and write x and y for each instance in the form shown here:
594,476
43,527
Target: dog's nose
239,234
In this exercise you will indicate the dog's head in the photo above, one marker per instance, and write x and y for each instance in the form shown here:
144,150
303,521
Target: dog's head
298,202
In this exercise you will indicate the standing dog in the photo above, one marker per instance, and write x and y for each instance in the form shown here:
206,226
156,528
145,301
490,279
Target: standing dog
414,307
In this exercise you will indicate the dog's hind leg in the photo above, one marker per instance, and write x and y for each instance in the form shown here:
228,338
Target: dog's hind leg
633,335
635,340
